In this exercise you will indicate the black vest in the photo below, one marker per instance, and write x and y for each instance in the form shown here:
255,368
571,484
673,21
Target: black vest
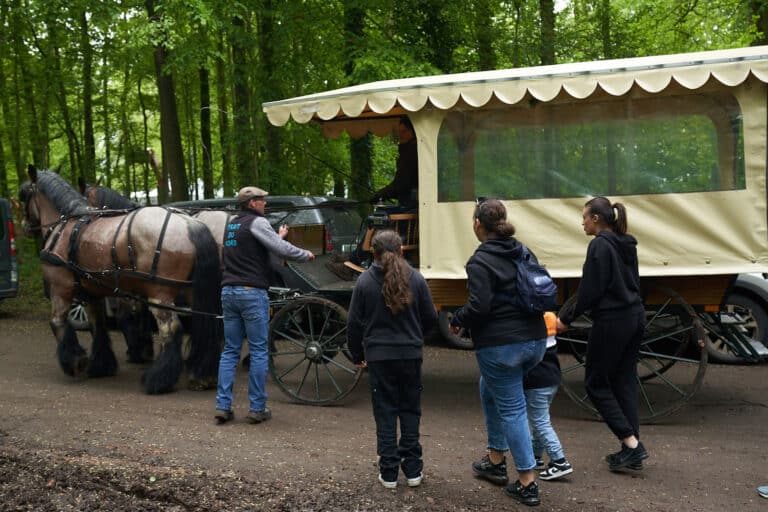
246,260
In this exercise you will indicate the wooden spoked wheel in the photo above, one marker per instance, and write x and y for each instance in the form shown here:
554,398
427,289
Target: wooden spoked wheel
308,357
671,363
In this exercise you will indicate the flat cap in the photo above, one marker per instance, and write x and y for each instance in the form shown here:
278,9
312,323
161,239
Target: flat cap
247,193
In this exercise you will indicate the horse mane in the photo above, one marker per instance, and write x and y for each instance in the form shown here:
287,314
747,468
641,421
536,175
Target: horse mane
110,198
63,196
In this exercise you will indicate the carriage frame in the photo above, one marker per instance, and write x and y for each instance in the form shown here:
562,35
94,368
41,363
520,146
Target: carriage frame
698,211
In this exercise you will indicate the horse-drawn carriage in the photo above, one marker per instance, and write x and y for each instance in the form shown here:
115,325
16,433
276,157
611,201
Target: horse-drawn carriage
679,139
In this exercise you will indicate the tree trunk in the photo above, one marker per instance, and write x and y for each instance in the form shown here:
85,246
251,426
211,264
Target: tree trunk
547,15
73,144
547,56
610,137
360,150
484,28
205,132
247,174
89,143
151,159
269,92
170,131
759,9
106,117
12,119
222,103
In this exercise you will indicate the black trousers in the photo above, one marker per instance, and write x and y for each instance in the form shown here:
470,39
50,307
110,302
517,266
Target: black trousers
611,369
396,394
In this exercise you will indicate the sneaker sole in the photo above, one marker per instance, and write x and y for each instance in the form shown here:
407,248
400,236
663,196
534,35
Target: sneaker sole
555,476
629,464
493,479
387,485
415,482
519,499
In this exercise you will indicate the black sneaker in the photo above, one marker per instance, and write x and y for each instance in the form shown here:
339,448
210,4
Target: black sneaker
540,464
556,470
638,466
259,416
627,457
494,473
528,495
223,416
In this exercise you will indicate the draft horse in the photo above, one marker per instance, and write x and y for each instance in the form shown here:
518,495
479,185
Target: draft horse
133,318
149,253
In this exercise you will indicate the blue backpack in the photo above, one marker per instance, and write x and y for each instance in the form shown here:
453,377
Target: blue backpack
536,291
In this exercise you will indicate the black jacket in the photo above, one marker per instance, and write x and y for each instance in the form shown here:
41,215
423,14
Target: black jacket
491,319
374,333
544,374
610,281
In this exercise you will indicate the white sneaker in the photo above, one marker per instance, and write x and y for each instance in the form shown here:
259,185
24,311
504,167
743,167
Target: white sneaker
416,481
389,485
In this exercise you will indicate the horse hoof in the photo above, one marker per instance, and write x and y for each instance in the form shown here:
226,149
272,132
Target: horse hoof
201,384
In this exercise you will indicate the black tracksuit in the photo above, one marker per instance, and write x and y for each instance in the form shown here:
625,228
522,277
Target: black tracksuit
392,347
610,288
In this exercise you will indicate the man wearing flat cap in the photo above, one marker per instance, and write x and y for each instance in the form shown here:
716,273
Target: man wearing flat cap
248,242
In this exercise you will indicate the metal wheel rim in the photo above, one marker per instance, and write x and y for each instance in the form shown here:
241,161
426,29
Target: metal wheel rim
652,365
308,357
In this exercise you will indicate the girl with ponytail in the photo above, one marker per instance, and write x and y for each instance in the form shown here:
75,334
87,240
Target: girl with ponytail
390,314
610,289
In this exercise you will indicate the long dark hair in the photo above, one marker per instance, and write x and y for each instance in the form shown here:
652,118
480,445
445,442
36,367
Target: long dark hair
396,288
493,217
613,215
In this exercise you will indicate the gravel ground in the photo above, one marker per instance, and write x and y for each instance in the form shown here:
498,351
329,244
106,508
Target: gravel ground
103,445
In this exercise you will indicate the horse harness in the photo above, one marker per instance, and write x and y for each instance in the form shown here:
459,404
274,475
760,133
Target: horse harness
117,271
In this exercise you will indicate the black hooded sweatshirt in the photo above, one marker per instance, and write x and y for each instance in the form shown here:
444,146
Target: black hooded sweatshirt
374,333
491,319
610,282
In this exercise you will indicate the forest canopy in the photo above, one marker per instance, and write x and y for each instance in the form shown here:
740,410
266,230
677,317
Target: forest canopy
165,95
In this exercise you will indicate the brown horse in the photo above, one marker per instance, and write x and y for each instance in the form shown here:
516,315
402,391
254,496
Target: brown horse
132,317
148,253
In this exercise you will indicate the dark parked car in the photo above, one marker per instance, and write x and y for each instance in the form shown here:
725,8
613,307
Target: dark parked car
9,270
339,216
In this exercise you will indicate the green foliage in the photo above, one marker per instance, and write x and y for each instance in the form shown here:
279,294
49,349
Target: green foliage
292,47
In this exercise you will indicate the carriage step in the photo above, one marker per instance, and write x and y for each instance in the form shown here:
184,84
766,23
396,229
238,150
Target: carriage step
731,319
760,349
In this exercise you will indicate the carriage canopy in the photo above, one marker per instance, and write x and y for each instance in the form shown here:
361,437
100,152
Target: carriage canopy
679,139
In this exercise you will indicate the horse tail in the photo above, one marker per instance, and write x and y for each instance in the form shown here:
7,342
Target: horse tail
206,331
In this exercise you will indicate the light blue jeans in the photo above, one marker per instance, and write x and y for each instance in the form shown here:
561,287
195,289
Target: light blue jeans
246,314
501,394
544,436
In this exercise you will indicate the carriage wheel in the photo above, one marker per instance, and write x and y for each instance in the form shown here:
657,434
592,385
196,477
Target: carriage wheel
308,357
671,364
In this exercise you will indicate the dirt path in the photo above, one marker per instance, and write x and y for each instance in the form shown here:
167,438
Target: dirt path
103,445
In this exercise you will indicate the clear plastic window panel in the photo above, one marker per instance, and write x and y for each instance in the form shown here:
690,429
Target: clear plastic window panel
671,144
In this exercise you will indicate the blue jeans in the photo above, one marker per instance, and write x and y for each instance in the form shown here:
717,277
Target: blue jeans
246,314
501,394
544,436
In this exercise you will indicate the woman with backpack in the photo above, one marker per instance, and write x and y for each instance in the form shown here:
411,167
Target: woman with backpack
390,314
509,340
610,289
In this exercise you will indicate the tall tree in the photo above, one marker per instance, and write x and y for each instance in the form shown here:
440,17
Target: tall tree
89,142
170,130
245,161
222,102
361,149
